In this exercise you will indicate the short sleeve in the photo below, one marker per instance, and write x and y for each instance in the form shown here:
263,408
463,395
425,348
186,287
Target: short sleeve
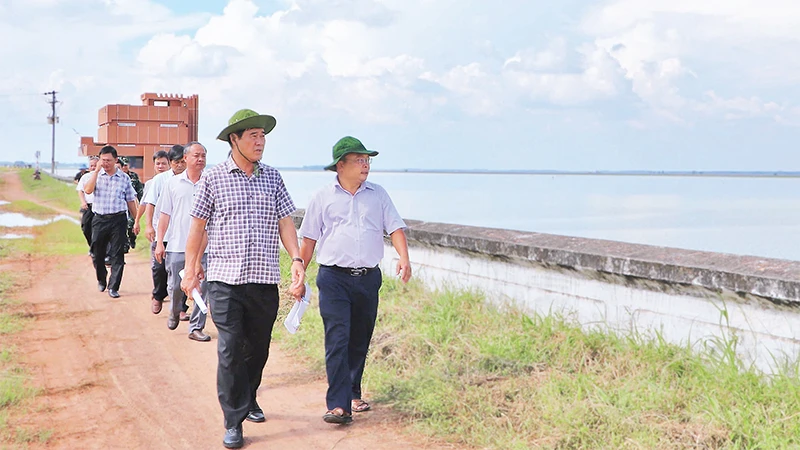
150,195
203,203
311,227
146,189
165,202
391,218
130,193
284,205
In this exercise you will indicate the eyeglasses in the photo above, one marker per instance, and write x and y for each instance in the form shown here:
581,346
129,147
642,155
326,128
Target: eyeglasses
362,161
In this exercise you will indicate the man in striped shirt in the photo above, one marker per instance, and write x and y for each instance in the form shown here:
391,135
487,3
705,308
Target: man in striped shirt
113,194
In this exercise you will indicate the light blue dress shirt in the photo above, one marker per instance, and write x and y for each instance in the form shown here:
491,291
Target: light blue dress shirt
349,229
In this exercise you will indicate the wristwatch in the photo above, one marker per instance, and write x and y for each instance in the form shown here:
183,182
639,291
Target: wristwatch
300,260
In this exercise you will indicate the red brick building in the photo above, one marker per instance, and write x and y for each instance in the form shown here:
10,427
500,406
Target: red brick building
138,131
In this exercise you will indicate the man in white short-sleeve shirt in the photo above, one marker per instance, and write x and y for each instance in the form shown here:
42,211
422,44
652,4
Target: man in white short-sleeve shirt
173,228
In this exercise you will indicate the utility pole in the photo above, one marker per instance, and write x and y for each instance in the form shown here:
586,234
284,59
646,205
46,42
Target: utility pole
52,119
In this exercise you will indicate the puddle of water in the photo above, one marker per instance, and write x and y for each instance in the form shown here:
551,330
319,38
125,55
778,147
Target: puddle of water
20,220
16,236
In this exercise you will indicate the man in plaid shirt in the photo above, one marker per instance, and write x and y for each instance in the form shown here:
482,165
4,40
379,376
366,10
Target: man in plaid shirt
240,211
113,195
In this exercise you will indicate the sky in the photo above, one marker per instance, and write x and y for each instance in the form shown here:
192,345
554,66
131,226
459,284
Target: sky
517,84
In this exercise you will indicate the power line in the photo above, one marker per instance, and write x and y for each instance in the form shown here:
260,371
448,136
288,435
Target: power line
52,119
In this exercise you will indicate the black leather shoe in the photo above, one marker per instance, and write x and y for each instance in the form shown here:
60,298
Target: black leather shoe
101,287
113,294
256,415
172,322
233,437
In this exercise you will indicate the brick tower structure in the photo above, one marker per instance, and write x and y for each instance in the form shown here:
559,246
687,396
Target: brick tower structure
138,131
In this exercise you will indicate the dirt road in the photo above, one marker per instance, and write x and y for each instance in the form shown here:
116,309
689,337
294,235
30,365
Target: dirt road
114,377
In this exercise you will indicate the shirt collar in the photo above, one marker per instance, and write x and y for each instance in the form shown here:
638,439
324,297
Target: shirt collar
103,172
364,185
230,166
184,176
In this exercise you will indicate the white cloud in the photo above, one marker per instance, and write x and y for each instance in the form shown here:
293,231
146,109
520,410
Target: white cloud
549,59
365,63
665,46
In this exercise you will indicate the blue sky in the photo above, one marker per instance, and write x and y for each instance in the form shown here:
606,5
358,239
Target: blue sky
574,85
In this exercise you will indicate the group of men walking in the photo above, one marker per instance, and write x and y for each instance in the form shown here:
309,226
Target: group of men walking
224,227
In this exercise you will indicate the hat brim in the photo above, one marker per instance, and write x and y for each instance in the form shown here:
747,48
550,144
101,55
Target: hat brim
332,166
261,121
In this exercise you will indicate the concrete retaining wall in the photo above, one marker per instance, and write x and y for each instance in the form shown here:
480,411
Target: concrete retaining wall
687,296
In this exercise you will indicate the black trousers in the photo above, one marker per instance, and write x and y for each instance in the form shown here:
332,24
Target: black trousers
159,275
86,223
244,316
349,307
109,234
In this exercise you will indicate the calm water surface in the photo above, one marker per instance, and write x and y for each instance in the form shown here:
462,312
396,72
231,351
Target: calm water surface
752,216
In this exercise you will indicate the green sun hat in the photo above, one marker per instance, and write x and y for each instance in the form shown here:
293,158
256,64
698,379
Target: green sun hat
244,119
123,160
345,145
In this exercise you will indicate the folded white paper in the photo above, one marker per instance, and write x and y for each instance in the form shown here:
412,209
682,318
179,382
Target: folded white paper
198,300
292,321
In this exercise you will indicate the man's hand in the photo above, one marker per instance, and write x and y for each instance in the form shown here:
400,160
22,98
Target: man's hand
404,269
190,282
297,287
159,252
136,228
150,232
298,294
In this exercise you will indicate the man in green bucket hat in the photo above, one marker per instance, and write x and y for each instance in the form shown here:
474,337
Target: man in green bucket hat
241,208
346,221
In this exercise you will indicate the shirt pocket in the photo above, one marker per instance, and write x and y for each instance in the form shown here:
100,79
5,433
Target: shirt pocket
371,219
263,204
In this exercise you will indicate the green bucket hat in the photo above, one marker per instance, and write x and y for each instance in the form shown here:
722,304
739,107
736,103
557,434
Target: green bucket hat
244,119
345,145
123,160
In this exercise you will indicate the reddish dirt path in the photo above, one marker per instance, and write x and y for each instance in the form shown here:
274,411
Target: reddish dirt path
113,376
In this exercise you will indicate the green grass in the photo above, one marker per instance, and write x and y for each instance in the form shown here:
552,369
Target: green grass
463,371
13,387
54,239
28,208
51,191
57,238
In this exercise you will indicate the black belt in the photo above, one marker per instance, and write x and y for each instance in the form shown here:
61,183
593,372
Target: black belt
112,214
352,271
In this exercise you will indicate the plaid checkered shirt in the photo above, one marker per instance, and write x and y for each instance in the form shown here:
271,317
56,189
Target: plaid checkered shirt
112,192
242,215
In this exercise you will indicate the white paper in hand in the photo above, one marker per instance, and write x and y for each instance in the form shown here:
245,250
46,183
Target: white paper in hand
292,321
198,299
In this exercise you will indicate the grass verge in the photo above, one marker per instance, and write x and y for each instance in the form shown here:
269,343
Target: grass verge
54,239
463,371
51,191
13,378
27,208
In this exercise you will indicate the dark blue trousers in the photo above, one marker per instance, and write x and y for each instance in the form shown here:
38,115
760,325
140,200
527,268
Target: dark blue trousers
348,306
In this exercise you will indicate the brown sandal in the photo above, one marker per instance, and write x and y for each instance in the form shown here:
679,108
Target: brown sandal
337,415
358,405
